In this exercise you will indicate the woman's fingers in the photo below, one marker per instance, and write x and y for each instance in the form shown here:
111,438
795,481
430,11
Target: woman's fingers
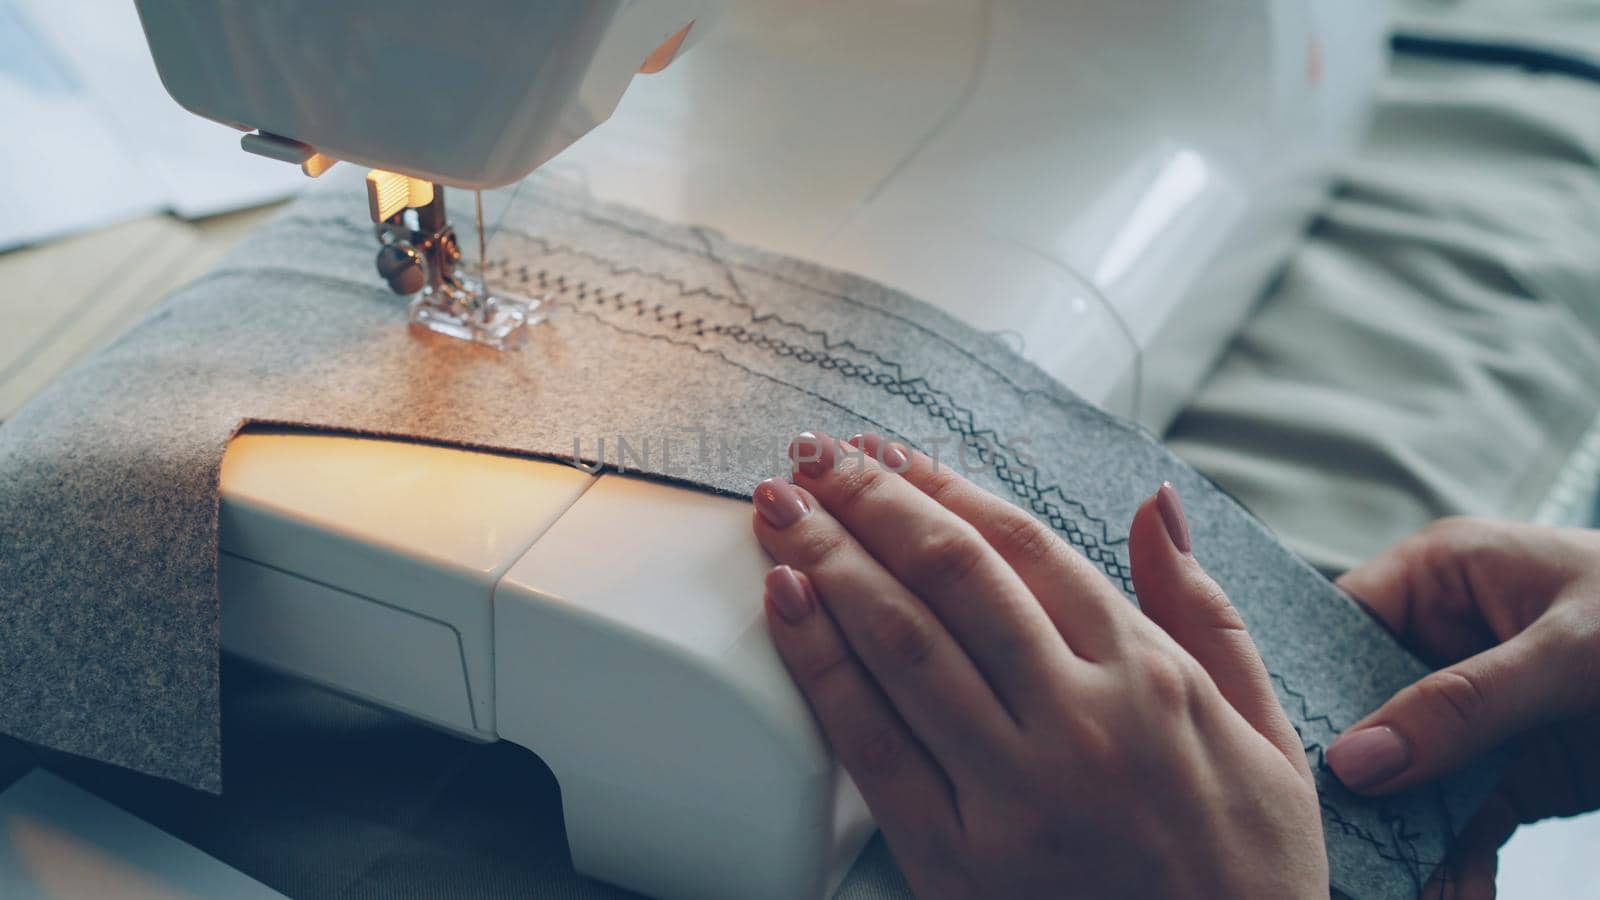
927,677
911,636
940,558
910,796
1052,570
1461,712
1461,586
1418,589
1178,595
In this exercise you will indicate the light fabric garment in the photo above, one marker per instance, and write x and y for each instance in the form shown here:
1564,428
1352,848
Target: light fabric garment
1435,347
1570,27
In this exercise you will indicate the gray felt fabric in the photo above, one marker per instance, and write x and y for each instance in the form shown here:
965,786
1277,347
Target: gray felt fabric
108,626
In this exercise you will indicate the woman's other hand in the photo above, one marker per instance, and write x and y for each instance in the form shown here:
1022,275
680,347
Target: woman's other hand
1512,615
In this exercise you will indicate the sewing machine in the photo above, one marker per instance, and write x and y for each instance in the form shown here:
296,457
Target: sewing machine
1109,185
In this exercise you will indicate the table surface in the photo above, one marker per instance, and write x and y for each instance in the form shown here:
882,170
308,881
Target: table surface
72,296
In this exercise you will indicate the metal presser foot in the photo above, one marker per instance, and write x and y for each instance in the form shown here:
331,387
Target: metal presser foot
420,255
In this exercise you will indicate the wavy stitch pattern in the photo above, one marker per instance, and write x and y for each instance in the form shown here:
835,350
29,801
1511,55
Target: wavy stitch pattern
1048,501
1020,476
1400,844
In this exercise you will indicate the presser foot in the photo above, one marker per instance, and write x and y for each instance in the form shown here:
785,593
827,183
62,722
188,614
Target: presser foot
418,254
464,309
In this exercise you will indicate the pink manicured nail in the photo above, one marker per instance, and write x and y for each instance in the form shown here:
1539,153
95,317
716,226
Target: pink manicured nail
779,503
1172,516
891,456
790,594
812,455
1369,757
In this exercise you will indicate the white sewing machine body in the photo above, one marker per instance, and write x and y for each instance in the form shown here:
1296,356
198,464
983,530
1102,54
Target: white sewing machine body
473,93
611,625
1110,183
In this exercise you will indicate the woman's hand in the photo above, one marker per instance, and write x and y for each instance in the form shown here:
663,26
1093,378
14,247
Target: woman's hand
1019,728
1513,613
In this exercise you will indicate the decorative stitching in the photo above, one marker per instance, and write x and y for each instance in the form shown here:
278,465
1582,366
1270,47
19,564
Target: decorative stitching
1401,846
617,225
1020,477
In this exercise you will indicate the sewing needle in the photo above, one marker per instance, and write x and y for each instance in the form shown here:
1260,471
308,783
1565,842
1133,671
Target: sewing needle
483,263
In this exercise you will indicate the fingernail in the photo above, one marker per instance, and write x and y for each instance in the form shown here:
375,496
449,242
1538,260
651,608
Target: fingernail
893,458
790,594
779,503
1172,516
811,455
1369,757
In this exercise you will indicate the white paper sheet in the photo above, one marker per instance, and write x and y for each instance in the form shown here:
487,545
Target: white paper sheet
59,842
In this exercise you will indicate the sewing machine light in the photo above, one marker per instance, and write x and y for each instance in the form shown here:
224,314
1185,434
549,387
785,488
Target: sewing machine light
389,193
